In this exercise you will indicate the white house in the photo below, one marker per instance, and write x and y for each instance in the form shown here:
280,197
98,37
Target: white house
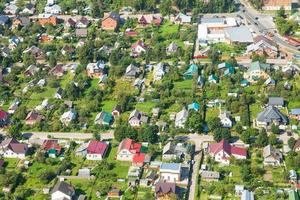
170,172
54,9
128,149
225,120
158,71
62,191
68,116
181,118
182,19
11,148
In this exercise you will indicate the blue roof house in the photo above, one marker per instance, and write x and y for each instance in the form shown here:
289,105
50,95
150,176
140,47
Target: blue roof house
193,70
194,106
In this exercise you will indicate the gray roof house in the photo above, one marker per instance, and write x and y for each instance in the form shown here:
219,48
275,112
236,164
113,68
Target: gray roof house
210,175
3,20
272,156
276,101
246,195
132,71
62,190
239,34
137,118
270,115
173,151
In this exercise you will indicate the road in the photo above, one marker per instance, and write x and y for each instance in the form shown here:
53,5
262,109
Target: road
61,135
264,23
197,140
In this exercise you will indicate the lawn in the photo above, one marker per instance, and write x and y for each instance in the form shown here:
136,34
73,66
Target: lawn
183,85
11,163
254,110
212,113
168,28
108,105
145,106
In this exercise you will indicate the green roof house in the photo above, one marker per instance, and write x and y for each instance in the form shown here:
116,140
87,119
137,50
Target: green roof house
257,71
213,78
104,118
293,195
193,69
194,106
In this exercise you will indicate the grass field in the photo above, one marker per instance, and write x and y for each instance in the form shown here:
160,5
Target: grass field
183,85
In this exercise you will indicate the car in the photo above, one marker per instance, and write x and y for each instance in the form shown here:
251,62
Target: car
244,10
256,18
256,23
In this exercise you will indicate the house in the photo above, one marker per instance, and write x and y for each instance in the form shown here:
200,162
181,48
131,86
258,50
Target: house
14,41
295,113
170,172
211,30
4,120
95,70
293,176
11,9
110,21
59,93
182,19
54,9
31,70
81,32
11,148
114,193
70,23
29,9
137,118
44,19
52,148
271,156
159,71
58,70
297,146
262,46
33,117
172,48
145,20
128,149
62,191
104,118
138,48
239,189
191,72
246,195
257,71
35,51
20,21
163,190
116,111
173,151
238,35
131,71
276,4
293,195
210,175
68,117
213,79
96,150
181,117
270,115
222,151
83,22
140,159
134,175
14,106
139,84
225,119
4,20
276,101
270,82
82,149
68,50
194,106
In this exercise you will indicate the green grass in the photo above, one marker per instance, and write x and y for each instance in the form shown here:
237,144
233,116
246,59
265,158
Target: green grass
168,28
109,105
145,106
254,110
183,85
11,163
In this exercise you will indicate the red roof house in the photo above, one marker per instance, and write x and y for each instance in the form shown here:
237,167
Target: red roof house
138,159
3,118
33,117
137,48
128,149
96,150
58,71
222,151
52,147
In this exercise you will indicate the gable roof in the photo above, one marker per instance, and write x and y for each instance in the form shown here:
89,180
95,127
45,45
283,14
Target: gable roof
226,147
165,188
271,151
130,145
295,111
3,115
276,101
51,144
64,188
97,147
271,114
14,146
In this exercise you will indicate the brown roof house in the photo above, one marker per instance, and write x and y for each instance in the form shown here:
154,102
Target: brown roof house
81,32
276,4
44,19
164,190
110,21
11,148
297,146
33,117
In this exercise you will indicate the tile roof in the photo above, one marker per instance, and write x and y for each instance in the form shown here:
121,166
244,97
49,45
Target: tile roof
64,188
228,148
130,145
165,188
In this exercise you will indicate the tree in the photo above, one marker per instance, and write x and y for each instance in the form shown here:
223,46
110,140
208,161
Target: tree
148,133
14,130
123,131
246,137
262,139
166,7
52,60
275,129
214,123
291,142
222,133
280,12
194,121
272,139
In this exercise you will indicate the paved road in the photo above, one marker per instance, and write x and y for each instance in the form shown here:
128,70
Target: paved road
265,23
61,135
